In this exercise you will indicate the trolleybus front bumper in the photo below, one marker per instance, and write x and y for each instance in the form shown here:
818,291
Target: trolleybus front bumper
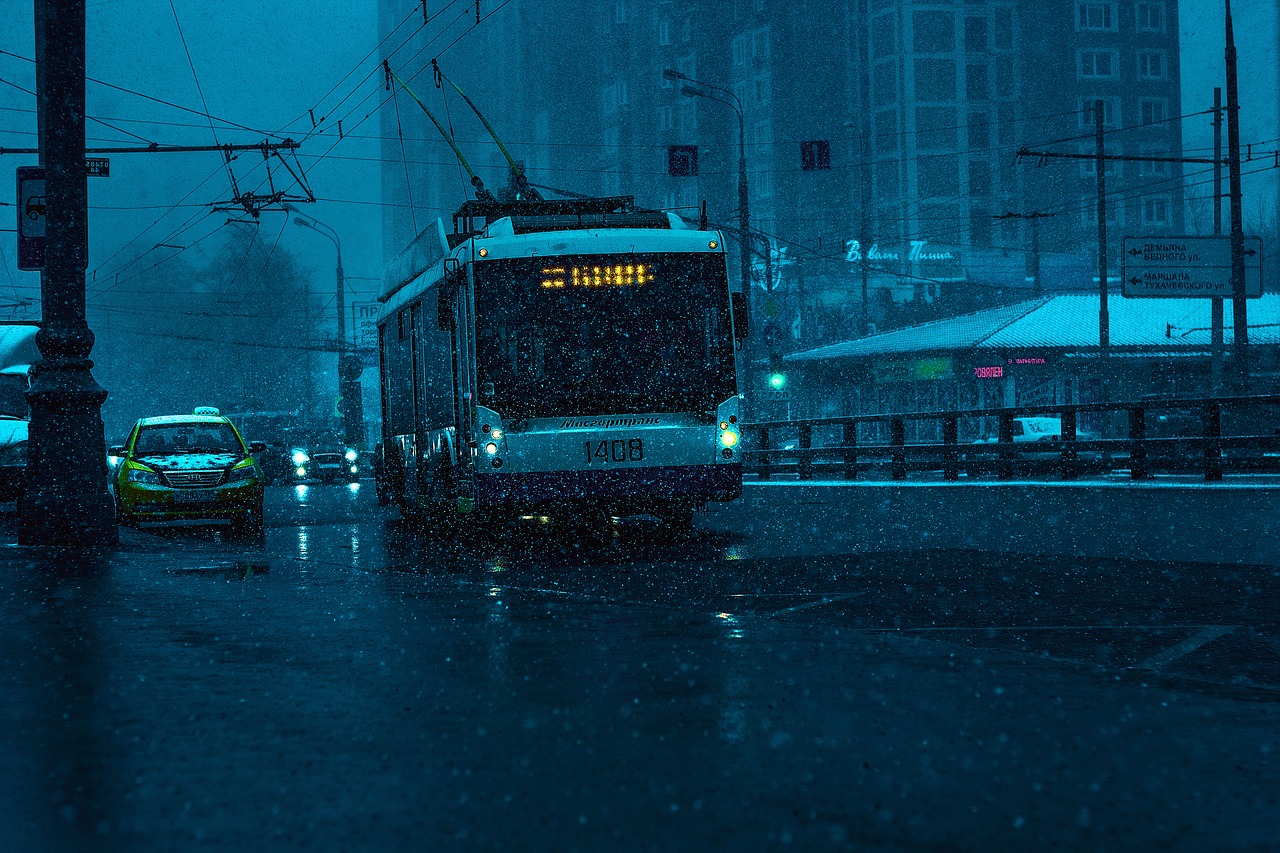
720,482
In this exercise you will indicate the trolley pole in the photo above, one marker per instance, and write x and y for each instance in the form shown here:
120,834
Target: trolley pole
66,500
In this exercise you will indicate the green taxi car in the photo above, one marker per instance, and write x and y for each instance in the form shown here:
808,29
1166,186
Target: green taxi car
188,467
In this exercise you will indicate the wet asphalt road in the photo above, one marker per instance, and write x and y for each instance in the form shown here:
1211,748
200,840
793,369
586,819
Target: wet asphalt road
351,683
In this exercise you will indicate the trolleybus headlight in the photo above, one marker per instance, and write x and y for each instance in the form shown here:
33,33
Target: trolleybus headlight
300,457
351,455
491,449
301,472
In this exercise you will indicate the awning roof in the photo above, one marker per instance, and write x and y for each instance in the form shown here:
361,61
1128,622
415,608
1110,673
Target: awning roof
1068,322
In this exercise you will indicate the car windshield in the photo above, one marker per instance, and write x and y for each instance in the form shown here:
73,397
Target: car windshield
13,401
187,438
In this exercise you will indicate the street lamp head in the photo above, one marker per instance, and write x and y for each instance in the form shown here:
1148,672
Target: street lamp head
300,220
693,92
672,74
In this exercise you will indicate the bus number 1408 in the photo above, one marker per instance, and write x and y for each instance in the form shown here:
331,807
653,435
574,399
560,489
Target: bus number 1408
616,450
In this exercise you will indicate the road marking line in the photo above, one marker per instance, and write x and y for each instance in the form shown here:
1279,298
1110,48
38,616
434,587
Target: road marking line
828,599
1186,647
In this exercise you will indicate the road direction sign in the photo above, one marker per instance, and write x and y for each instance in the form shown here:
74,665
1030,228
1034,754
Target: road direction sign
31,218
364,324
1187,266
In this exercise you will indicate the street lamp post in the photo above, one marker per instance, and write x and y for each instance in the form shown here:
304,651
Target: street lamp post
727,97
350,406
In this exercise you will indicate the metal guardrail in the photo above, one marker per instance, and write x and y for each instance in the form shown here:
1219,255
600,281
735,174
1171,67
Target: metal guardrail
787,447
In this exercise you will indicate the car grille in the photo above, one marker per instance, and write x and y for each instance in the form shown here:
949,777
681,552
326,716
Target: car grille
193,479
327,458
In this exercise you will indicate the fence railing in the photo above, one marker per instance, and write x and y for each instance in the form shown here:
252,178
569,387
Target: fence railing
1209,436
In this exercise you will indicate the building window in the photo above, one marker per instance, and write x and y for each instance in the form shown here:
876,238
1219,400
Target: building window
1004,28
1110,112
666,118
1149,169
979,132
1152,110
976,85
760,46
1155,210
1152,65
620,11
1150,17
815,155
664,33
1096,64
979,178
975,35
1112,168
1096,16
741,46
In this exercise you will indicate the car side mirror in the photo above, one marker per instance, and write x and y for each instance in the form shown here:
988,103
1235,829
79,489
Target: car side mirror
257,447
116,450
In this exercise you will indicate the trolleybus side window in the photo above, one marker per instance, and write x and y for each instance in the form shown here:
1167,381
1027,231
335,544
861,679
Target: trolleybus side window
396,358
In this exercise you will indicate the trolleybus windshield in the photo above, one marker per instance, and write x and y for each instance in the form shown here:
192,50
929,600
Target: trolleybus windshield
603,334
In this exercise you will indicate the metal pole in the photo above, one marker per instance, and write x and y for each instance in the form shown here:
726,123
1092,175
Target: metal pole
1239,310
1100,157
1037,288
66,501
1104,318
864,227
744,215
1215,319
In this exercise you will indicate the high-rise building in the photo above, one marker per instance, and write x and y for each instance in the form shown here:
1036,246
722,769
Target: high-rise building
880,136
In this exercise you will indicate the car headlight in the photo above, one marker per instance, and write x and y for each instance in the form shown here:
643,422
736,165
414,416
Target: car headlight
352,456
143,476
300,457
244,472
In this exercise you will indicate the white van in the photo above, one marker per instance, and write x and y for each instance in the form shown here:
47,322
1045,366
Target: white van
18,353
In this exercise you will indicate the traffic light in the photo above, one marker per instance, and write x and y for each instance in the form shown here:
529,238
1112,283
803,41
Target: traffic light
778,380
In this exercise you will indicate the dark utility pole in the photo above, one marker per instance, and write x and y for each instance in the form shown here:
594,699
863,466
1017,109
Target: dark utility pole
1100,158
1239,312
1215,318
864,225
66,501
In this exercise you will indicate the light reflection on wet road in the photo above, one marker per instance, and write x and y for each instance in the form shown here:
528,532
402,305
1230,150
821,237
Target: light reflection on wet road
352,683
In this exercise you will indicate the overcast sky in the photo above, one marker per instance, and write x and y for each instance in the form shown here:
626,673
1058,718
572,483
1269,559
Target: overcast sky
261,64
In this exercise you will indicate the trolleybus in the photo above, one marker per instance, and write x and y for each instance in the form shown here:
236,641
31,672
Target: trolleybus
559,359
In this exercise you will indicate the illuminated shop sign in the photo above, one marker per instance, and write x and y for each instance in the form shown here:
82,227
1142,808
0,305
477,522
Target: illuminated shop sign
994,372
915,370
915,251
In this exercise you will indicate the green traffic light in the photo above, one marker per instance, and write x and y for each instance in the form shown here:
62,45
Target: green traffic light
777,381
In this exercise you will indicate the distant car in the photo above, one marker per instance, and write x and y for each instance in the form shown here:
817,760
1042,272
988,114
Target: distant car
188,467
17,355
1034,429
325,460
